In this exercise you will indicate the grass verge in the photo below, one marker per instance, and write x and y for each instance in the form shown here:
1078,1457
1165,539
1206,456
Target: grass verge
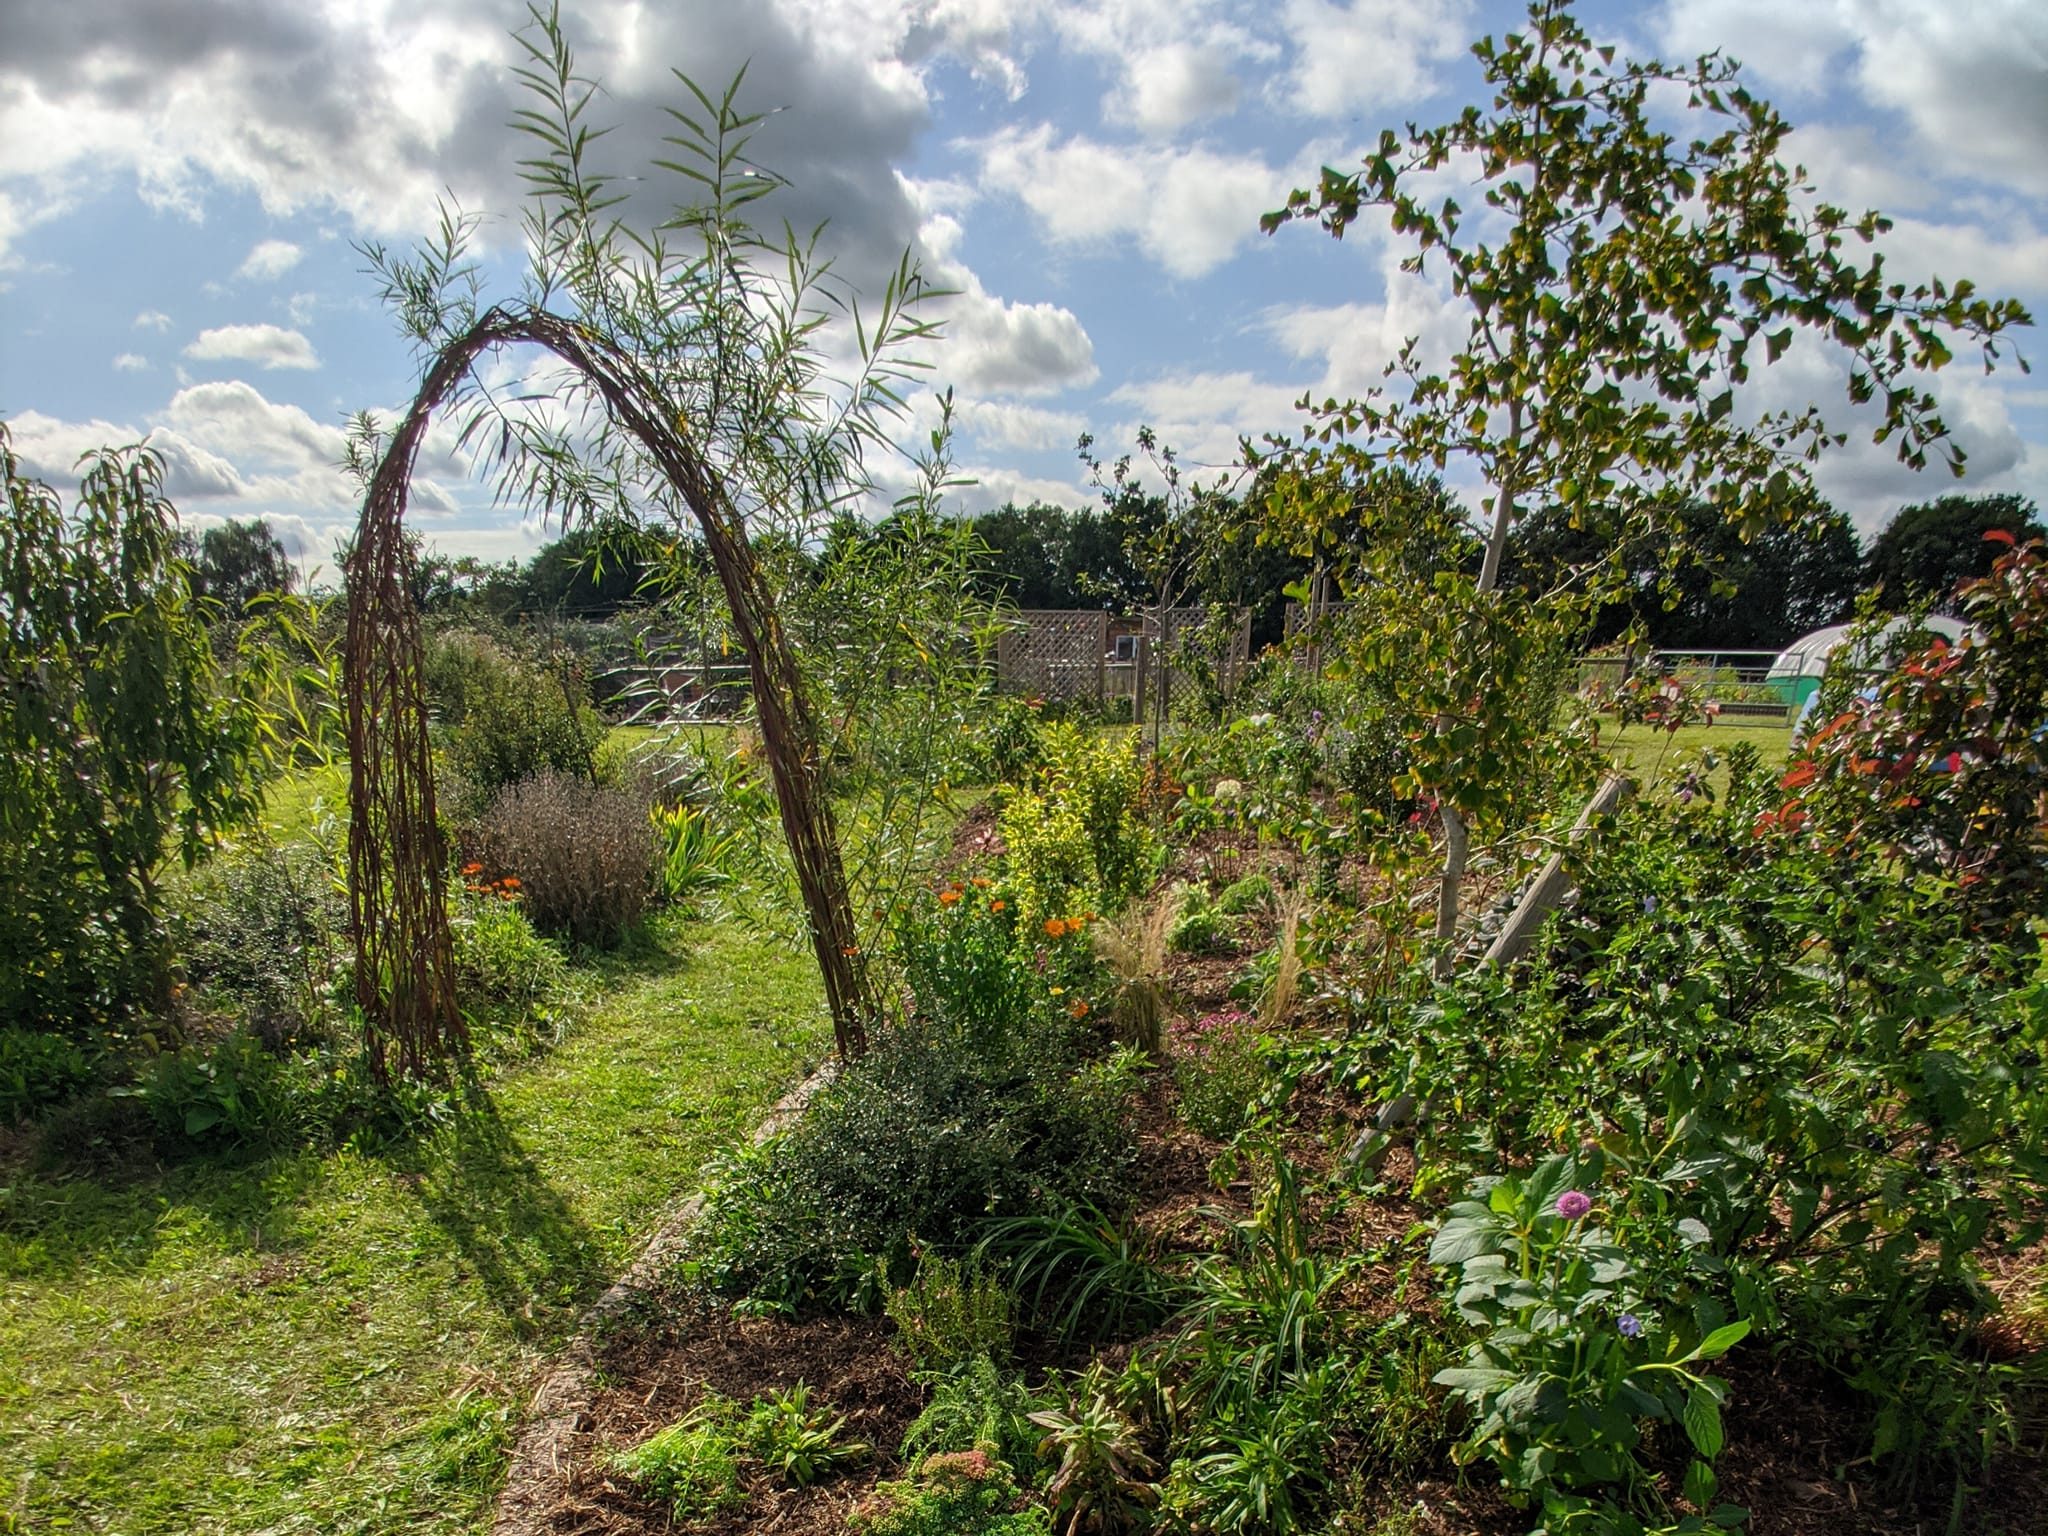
339,1342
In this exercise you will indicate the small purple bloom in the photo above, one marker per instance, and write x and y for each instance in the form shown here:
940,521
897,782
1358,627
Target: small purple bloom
1630,1325
1571,1205
1649,906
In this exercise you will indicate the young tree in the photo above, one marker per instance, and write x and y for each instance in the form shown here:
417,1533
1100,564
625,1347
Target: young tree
1628,265
120,742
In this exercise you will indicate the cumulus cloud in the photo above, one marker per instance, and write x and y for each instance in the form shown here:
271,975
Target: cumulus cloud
1358,55
269,260
268,346
130,362
1187,208
152,320
1972,80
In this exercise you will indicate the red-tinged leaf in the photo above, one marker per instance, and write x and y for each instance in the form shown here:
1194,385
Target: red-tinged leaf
2000,536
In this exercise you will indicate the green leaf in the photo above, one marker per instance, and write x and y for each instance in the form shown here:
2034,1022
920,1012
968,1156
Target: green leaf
1703,1421
1721,1340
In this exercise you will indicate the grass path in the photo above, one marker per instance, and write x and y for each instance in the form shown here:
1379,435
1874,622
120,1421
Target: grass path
338,1342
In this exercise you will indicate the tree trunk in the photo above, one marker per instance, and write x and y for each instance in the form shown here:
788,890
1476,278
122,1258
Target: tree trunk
1456,834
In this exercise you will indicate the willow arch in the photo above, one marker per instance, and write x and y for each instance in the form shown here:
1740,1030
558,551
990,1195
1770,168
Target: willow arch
404,981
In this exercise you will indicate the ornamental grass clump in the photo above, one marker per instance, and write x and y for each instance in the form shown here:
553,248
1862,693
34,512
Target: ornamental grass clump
582,858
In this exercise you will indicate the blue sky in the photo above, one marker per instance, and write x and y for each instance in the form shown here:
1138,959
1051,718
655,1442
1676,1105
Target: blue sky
182,184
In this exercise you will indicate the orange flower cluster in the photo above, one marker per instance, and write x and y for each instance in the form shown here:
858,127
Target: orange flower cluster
1060,927
506,888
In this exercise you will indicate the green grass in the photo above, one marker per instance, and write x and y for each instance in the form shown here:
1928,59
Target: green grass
1652,757
339,1342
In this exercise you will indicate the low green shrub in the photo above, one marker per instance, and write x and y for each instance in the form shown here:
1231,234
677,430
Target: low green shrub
958,1493
1102,1473
263,934
38,1070
920,1139
974,1405
1218,1071
582,858
505,973
1076,835
951,1313
515,721
237,1092
1243,897
693,1465
1569,1354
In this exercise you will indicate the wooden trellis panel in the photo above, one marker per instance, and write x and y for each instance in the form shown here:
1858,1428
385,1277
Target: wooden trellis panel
1057,654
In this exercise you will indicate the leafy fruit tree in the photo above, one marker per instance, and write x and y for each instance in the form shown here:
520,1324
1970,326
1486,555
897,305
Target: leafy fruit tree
1629,268
119,743
1930,549
689,383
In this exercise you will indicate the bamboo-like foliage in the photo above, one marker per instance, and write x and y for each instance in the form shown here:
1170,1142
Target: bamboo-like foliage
690,383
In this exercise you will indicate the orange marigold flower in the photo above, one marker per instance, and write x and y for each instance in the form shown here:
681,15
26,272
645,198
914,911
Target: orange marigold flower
947,898
997,905
472,868
510,882
1055,929
1080,1008
980,882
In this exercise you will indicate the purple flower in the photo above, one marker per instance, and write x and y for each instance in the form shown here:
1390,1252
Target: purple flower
1649,906
1630,1325
1571,1205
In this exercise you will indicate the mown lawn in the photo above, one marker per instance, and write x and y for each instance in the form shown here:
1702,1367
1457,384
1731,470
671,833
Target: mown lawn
1653,756
340,1342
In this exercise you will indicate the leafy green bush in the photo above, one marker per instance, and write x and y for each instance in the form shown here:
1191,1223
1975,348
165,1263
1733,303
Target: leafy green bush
263,932
1813,1057
505,973
1075,837
1243,897
38,1070
920,1138
1569,1354
1218,1071
973,1405
237,1092
693,1465
514,721
583,859
797,1443
961,1493
120,740
951,1313
1199,929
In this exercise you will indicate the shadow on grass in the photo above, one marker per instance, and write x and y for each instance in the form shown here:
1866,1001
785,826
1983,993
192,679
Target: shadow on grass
529,1250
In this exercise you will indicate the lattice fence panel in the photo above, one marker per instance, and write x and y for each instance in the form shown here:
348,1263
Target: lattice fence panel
1054,653
1233,653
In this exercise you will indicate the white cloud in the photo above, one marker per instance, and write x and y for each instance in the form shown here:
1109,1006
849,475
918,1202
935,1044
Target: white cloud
131,362
1365,55
1971,78
1188,209
152,320
269,346
269,260
1171,86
